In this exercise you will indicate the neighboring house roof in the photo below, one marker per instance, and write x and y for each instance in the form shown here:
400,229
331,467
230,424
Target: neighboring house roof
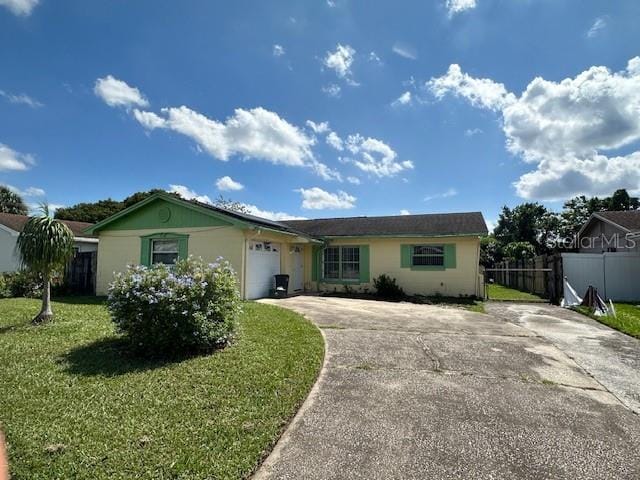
433,225
627,220
17,223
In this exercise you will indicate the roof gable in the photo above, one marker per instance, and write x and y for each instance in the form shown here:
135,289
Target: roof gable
162,211
627,221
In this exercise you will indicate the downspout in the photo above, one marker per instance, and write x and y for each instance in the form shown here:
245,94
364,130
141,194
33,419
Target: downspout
477,282
243,286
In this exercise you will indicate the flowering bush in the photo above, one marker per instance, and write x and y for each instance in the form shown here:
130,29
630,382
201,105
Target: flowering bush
190,306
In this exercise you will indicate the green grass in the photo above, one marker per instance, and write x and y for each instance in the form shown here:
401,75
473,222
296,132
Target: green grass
627,318
499,292
466,303
73,404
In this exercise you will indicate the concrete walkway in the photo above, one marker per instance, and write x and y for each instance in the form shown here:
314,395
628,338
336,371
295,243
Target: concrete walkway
413,391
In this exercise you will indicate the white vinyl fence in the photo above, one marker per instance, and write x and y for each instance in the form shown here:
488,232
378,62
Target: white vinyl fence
616,275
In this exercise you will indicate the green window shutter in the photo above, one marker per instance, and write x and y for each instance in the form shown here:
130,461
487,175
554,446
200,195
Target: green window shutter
145,251
364,264
316,256
405,256
183,248
450,255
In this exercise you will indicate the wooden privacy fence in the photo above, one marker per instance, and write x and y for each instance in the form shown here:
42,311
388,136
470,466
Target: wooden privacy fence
541,275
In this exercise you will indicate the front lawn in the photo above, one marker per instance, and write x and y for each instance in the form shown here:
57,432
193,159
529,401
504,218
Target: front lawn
627,318
73,404
500,292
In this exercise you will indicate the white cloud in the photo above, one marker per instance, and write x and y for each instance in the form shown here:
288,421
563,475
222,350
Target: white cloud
404,50
331,3
27,192
405,212
276,216
317,199
278,50
326,173
12,160
599,24
334,140
117,93
20,7
480,92
566,129
451,192
149,120
255,133
226,183
188,194
21,98
404,99
332,90
457,6
374,58
322,127
36,208
340,61
353,180
470,132
375,157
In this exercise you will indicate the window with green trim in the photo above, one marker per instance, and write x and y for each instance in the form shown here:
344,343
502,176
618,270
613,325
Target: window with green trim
341,263
427,255
164,251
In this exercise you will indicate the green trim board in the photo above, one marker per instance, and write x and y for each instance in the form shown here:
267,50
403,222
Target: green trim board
407,235
145,245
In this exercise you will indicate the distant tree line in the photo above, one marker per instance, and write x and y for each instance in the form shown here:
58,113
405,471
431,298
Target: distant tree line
530,229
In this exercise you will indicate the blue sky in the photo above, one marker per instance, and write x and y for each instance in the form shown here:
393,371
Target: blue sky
325,108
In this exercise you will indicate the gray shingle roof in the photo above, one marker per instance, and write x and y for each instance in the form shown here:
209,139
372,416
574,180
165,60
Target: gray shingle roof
628,219
17,223
435,224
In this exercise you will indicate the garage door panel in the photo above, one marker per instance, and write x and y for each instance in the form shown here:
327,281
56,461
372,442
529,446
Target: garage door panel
263,262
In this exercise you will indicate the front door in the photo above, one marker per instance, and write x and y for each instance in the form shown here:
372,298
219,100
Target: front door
297,268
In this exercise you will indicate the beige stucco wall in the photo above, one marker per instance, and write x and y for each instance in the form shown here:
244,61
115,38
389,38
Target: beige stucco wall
384,257
119,248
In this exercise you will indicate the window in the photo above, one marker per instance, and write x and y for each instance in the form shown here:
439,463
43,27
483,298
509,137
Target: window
427,255
341,263
332,263
350,263
164,251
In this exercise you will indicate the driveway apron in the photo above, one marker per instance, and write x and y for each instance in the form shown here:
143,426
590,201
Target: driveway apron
417,391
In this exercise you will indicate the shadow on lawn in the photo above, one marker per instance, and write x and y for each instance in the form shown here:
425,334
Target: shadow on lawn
80,300
111,357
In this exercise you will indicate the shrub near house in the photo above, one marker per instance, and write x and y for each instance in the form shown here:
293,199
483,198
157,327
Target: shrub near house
189,307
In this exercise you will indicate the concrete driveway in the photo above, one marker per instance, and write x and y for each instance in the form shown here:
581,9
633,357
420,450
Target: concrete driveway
415,391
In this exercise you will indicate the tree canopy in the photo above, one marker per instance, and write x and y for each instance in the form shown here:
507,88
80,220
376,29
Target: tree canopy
529,229
94,212
11,202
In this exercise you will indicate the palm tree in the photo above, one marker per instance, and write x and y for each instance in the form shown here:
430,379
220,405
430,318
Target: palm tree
44,247
11,202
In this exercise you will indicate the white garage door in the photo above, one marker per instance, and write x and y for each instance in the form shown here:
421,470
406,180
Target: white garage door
263,262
